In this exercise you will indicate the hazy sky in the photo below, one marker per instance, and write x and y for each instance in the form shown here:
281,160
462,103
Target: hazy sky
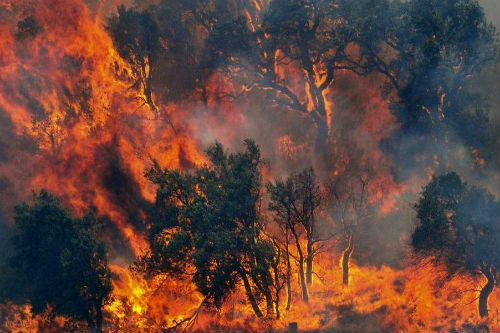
492,10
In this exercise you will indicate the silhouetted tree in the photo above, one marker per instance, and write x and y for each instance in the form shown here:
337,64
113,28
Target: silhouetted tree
431,51
459,225
136,38
284,203
311,38
171,35
295,203
208,225
350,209
311,199
60,261
183,27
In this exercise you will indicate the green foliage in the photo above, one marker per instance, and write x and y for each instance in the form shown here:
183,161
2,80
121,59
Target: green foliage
432,51
459,225
59,260
429,50
208,225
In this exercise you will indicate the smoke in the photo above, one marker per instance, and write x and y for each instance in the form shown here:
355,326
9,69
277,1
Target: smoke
492,11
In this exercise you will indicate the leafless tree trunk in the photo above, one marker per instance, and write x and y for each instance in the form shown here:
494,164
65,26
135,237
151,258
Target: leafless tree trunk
310,250
345,260
250,295
302,280
288,272
486,291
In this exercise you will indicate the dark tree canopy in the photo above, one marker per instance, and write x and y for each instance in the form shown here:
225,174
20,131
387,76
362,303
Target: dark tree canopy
136,38
313,39
165,44
429,50
60,262
208,226
432,52
459,225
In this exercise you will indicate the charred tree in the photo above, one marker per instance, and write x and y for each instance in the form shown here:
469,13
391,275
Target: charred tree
285,205
485,292
300,264
311,199
251,296
346,256
288,270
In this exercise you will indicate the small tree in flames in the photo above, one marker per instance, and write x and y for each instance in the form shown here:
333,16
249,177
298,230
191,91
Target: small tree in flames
350,208
295,203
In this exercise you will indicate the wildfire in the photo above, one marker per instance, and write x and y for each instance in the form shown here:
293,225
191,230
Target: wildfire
68,95
84,110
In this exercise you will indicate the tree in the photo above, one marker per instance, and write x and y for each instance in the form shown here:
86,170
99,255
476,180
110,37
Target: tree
164,43
312,39
207,226
183,27
60,261
294,203
136,38
350,208
459,226
431,51
311,199
282,198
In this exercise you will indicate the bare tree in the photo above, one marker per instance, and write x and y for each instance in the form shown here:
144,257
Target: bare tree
295,203
350,209
311,199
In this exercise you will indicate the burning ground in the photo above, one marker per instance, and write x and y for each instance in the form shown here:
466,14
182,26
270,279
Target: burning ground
108,104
